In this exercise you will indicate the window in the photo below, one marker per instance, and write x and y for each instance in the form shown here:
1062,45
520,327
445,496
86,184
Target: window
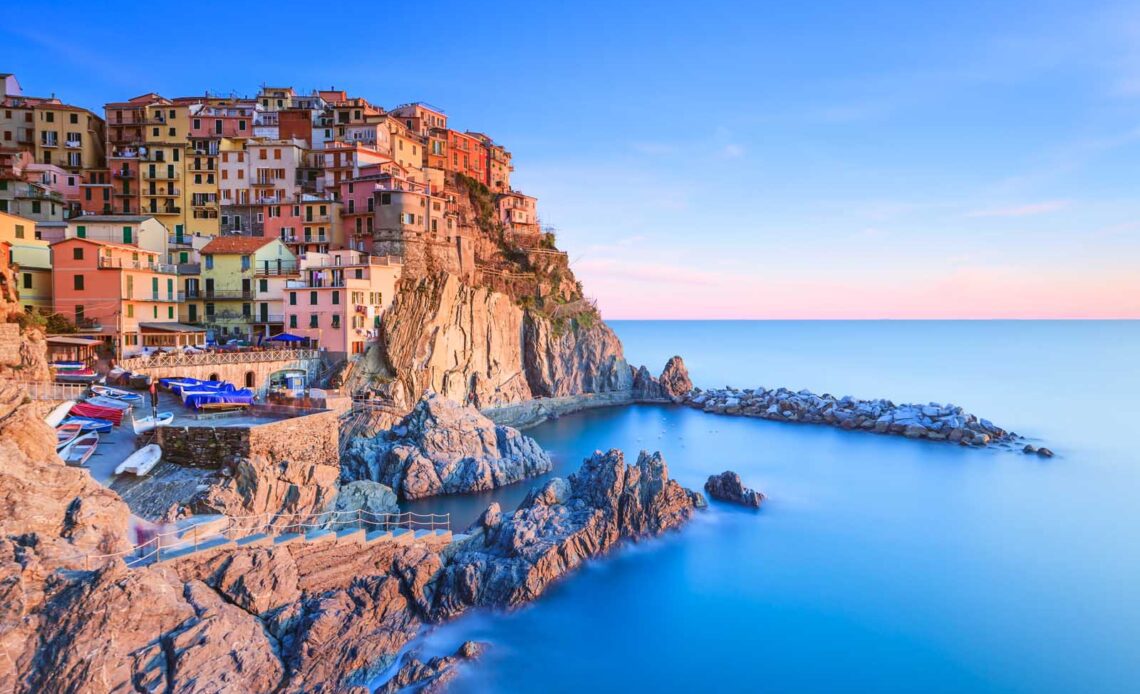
170,312
313,321
77,282
209,261
197,123
19,231
74,119
292,298
336,320
77,253
244,263
126,234
292,321
312,298
27,280
130,310
81,231
335,298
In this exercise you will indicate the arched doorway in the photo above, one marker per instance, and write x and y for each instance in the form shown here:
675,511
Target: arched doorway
213,377
250,379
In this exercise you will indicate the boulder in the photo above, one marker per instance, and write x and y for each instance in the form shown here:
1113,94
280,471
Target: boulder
442,447
372,498
727,486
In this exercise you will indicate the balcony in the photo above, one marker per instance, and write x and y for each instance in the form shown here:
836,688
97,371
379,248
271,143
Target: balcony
180,241
224,294
168,193
124,173
168,298
160,174
268,318
272,269
73,143
315,284
106,263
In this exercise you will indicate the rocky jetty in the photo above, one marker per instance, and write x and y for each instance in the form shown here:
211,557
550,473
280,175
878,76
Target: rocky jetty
727,487
509,560
444,448
932,421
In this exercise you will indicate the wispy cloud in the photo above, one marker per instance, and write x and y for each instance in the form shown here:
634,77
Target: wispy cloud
732,151
1027,210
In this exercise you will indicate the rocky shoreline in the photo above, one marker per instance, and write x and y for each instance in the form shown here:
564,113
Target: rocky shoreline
932,421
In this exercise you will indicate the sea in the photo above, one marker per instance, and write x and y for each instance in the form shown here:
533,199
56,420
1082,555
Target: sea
877,563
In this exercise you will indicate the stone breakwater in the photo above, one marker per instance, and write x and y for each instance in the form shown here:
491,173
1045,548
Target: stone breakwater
932,421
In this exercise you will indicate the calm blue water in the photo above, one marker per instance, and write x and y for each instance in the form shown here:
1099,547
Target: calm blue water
878,563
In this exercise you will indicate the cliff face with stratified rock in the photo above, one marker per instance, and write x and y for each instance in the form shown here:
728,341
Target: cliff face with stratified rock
473,345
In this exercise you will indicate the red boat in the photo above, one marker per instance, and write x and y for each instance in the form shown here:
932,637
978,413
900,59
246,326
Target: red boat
86,409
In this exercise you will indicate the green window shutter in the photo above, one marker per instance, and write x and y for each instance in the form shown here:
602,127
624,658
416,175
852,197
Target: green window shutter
81,231
170,312
126,234
184,257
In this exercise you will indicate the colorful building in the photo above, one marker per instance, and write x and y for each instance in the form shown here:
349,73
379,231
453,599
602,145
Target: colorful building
339,297
31,257
236,302
118,292
143,231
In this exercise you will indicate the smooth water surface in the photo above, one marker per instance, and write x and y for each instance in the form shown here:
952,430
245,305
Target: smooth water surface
878,563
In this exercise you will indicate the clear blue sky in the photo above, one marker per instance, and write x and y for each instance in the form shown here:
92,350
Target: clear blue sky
711,159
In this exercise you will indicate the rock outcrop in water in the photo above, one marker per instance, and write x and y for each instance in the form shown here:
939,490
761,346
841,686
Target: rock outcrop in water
932,421
435,674
444,448
510,560
672,385
727,487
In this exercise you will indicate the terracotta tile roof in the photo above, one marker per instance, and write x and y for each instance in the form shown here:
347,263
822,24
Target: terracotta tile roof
237,244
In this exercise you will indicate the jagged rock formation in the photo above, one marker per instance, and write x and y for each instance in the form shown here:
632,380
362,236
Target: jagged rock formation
444,448
365,495
673,384
932,421
573,361
511,560
433,675
727,487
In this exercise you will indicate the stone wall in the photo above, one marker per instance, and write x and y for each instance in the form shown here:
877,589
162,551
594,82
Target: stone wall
311,437
234,373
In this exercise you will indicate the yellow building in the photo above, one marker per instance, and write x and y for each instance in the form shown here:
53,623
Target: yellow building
32,258
68,136
240,291
163,192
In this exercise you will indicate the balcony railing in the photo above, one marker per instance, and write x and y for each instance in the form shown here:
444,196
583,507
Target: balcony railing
122,264
315,284
271,268
210,294
176,240
124,173
160,174
176,359
73,143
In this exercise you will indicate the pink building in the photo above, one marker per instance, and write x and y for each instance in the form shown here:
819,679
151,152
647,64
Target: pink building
339,298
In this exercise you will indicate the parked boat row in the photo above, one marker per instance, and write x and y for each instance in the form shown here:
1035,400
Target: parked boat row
208,395
78,425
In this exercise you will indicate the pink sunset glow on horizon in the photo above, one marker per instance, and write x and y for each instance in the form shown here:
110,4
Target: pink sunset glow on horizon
994,292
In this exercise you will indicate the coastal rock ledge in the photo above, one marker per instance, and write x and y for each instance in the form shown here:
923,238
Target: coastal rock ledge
442,447
510,560
727,487
932,421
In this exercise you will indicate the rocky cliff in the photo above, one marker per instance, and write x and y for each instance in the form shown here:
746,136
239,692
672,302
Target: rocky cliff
477,346
442,447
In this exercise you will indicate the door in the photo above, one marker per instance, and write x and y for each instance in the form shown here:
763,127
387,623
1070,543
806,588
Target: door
209,287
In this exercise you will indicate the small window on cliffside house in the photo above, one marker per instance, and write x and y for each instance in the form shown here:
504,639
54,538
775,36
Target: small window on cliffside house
313,321
293,321
27,280
78,282
385,198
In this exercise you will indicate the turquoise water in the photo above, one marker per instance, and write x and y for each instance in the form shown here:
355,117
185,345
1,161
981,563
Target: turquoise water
878,563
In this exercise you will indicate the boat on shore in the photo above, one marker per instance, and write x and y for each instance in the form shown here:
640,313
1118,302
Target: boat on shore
91,424
145,424
103,401
141,461
55,417
65,434
78,451
117,394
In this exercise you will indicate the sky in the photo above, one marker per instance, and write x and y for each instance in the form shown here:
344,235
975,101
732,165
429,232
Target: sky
715,159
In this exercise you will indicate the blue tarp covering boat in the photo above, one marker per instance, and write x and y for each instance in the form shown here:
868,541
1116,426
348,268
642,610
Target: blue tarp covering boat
217,399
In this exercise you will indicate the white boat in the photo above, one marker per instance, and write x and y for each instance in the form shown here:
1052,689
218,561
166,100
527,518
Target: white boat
117,394
102,401
145,424
65,434
56,416
78,451
141,461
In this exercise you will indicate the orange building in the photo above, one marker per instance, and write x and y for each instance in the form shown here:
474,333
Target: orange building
121,293
465,154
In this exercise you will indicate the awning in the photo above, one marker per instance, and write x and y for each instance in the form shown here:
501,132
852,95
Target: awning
172,327
66,340
287,337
